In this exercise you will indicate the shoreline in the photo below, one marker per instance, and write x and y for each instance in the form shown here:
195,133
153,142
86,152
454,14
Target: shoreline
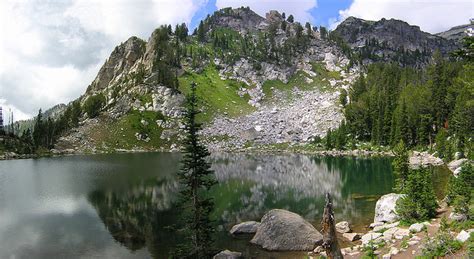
328,153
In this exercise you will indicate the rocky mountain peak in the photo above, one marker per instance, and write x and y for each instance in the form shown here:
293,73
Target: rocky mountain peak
241,19
122,58
389,39
274,16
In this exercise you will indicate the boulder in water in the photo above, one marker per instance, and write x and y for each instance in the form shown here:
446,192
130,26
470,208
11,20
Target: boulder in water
282,230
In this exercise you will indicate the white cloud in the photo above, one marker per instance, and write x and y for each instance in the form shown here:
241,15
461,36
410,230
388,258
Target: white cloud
298,8
124,18
431,16
51,50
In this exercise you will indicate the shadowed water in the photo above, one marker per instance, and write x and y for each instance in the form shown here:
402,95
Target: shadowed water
120,206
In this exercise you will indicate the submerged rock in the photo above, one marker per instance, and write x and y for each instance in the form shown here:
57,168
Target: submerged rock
248,227
282,230
226,254
385,208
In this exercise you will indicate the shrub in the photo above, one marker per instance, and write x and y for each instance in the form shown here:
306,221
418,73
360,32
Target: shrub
441,244
94,104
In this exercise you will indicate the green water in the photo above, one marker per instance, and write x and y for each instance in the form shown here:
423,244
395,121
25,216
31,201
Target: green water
121,206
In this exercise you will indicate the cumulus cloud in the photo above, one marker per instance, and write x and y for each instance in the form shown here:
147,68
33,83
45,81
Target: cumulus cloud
123,18
431,16
51,50
300,9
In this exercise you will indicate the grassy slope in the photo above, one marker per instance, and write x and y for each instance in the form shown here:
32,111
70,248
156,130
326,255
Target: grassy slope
218,96
121,133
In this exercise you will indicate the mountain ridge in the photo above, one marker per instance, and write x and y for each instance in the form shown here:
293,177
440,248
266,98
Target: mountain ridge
262,68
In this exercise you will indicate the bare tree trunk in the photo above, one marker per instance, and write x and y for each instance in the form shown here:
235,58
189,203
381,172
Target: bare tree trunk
329,231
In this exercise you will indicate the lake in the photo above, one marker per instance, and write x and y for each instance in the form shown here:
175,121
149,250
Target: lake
121,205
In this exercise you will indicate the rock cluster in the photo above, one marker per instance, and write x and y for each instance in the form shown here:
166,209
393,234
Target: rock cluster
311,114
423,159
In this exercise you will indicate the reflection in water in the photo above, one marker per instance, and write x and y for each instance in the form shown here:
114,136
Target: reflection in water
249,186
120,206
295,182
138,217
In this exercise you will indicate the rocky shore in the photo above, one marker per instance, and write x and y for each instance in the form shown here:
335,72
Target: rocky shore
281,230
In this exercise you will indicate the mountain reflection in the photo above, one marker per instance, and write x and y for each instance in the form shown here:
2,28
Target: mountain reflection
138,216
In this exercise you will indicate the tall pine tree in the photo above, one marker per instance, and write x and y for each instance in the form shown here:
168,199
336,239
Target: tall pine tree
196,178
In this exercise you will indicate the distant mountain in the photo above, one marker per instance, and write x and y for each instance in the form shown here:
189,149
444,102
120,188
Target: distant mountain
53,113
457,33
261,80
392,40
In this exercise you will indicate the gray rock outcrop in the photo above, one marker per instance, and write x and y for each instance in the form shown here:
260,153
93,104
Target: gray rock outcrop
385,208
282,230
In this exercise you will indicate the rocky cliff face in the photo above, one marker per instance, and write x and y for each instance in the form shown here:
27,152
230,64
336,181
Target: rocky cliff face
274,82
120,63
242,20
390,39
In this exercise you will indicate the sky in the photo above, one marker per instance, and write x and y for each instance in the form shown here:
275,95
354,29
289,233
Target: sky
51,50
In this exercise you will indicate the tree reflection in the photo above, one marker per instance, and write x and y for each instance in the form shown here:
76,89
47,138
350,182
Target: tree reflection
138,217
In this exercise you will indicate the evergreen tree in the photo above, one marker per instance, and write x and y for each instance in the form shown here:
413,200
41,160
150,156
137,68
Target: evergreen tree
283,25
201,32
343,97
291,19
94,104
419,202
196,178
323,32
38,130
460,189
400,166
76,112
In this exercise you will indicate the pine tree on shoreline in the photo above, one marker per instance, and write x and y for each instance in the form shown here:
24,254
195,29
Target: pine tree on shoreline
196,179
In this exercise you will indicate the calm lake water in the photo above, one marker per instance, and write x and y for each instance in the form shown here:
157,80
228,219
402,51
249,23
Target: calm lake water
120,206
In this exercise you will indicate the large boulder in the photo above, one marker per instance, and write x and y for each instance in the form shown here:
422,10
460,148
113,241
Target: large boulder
282,230
385,208
248,227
